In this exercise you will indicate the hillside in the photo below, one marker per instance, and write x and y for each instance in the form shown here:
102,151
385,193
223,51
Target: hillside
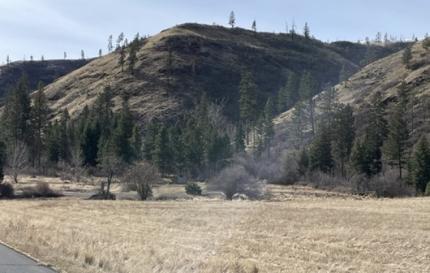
385,76
175,67
36,71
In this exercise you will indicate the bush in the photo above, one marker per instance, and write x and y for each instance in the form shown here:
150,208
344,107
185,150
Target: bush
236,179
143,176
42,189
6,190
427,192
389,185
193,188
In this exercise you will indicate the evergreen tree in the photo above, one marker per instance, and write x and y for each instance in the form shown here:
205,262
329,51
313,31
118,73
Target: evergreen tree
307,31
149,140
268,127
308,89
289,94
407,56
398,135
232,19
110,44
320,157
162,153
132,56
239,139
82,54
121,60
421,165
2,160
303,162
64,137
39,124
254,26
53,143
343,137
248,102
367,152
123,133
17,113
119,40
136,143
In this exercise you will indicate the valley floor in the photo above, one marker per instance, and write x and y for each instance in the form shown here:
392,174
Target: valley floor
306,232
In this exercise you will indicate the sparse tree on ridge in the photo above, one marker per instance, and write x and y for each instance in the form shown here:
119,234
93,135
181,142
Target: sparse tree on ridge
307,31
407,56
100,52
254,26
65,55
82,54
119,40
110,44
232,19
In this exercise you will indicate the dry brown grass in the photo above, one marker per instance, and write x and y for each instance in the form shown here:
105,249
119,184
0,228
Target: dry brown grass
313,233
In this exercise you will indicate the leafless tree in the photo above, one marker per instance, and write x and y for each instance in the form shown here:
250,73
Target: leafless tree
17,158
143,177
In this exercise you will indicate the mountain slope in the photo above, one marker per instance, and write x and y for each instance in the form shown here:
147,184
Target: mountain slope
177,66
36,71
384,76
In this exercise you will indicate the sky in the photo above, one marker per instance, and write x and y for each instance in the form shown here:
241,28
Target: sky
52,27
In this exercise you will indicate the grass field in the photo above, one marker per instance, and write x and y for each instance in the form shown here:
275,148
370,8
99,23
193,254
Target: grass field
302,233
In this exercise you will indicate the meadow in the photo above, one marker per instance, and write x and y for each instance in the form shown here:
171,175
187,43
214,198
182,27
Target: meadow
296,230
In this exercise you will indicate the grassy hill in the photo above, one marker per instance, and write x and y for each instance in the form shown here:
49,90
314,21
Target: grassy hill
175,67
384,76
36,71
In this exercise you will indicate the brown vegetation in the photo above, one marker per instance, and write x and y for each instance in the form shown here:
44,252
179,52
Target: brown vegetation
331,233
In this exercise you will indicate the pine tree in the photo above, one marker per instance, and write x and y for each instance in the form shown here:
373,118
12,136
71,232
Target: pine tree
132,56
239,139
53,143
123,133
232,19
343,136
398,135
303,162
121,60
407,56
64,137
268,127
162,153
119,40
421,165
110,44
149,140
39,124
17,113
367,152
136,143
320,157
82,54
100,52
308,89
307,31
254,26
248,102
2,160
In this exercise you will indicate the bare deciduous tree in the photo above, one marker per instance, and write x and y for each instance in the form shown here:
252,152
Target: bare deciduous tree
143,177
17,158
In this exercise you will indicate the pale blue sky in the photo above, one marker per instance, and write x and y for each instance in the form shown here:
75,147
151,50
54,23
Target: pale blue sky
50,27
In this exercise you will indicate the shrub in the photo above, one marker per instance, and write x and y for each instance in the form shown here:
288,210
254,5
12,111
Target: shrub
42,189
427,192
389,185
426,43
236,179
193,188
143,176
6,190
